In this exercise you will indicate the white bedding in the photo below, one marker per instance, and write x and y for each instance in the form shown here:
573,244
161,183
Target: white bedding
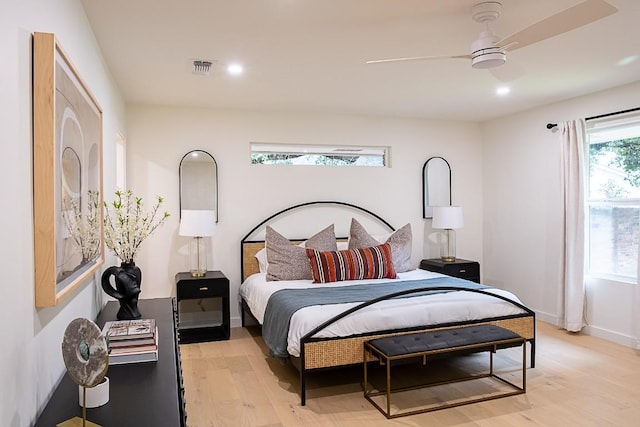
392,314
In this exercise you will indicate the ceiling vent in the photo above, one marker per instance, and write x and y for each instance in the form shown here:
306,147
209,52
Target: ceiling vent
202,67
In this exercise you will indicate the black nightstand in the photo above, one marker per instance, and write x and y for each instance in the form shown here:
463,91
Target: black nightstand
461,268
196,320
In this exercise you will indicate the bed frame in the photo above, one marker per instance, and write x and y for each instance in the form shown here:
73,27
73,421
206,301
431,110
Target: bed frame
324,353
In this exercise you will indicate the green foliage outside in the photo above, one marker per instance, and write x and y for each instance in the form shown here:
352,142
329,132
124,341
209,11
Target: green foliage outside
290,159
626,156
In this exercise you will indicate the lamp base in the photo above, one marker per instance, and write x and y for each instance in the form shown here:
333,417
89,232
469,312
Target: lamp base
198,256
448,245
198,273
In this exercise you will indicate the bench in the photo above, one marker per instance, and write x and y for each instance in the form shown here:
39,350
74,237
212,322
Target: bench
465,339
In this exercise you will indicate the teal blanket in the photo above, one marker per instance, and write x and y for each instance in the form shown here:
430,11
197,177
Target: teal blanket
283,303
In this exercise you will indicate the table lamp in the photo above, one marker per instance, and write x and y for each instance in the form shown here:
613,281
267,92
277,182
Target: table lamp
448,218
197,224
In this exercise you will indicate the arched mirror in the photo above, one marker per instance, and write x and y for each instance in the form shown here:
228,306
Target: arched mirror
436,185
199,182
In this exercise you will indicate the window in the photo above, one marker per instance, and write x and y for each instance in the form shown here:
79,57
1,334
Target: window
613,197
318,155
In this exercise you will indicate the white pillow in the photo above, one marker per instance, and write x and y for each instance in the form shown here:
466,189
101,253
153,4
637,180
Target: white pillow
261,256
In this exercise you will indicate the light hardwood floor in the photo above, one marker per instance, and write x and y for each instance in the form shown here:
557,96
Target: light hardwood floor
578,381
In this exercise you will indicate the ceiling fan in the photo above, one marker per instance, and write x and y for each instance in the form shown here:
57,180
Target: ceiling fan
489,51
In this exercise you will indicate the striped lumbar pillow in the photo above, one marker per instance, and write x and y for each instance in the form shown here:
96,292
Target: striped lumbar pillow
354,264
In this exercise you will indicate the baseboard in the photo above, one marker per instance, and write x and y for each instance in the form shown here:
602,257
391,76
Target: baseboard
236,322
616,337
594,331
548,318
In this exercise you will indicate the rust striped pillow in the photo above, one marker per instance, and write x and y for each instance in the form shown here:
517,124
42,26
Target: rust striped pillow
354,264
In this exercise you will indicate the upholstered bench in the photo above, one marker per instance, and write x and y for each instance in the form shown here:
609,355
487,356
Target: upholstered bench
477,338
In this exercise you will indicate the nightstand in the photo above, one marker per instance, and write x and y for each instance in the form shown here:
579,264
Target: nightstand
198,318
462,268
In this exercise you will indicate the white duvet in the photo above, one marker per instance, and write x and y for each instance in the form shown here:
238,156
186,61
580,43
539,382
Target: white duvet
393,314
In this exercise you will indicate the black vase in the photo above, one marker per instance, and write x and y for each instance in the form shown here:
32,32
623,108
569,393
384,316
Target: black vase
128,278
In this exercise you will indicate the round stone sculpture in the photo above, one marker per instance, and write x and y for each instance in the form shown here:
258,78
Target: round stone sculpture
85,354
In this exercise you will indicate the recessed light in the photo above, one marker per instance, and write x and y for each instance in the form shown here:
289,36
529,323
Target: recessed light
503,90
235,69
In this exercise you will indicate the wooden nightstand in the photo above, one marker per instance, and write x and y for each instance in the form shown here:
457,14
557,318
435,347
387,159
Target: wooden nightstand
462,268
196,320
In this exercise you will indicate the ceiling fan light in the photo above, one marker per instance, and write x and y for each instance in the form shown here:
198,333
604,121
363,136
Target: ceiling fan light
488,60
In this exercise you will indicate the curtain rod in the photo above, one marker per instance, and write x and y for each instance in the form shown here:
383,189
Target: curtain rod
552,125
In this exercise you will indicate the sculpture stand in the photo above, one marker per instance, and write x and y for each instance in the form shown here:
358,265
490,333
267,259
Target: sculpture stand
86,357
77,421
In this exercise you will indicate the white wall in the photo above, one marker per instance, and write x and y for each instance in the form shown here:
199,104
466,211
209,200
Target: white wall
522,244
506,178
31,361
159,137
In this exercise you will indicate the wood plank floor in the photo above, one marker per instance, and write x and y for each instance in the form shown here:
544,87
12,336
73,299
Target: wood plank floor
578,381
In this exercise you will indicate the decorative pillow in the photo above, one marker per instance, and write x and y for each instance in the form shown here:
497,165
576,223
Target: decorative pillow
351,264
399,240
263,264
289,262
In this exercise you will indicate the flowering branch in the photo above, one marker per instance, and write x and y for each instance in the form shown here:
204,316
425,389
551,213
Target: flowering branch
84,230
127,224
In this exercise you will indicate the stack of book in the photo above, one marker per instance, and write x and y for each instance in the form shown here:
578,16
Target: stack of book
131,341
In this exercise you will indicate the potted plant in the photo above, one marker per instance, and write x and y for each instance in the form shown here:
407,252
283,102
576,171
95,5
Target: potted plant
126,226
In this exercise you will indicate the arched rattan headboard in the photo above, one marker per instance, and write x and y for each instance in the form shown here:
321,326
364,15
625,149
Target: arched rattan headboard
249,247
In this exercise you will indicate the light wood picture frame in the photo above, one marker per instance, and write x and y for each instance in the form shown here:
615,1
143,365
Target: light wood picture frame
67,175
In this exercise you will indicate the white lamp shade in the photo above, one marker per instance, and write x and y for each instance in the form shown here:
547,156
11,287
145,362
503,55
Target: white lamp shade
197,223
447,217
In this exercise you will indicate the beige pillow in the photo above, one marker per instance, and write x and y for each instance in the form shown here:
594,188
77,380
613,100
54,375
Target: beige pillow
289,262
399,240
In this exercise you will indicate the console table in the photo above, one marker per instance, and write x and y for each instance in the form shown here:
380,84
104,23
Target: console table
140,394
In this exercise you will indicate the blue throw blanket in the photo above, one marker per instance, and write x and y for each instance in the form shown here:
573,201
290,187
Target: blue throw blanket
283,303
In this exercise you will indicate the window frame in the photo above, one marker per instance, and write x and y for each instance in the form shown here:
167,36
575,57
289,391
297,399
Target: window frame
329,150
601,126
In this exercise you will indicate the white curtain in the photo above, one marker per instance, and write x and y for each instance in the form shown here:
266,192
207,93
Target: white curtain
573,189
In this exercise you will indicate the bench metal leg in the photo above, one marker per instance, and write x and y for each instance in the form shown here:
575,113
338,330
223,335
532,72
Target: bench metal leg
533,352
386,360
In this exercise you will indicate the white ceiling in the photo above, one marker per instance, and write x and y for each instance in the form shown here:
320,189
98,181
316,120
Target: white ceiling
309,55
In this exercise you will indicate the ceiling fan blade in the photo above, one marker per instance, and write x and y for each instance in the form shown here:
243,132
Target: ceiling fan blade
418,58
577,16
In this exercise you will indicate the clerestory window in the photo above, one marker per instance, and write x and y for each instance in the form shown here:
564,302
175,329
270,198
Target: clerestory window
318,155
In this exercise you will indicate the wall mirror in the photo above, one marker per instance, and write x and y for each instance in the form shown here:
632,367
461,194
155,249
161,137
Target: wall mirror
199,182
436,185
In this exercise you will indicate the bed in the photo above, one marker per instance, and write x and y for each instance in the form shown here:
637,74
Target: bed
324,325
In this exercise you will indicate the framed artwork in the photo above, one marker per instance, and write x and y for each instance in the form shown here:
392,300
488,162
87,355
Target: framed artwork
67,175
